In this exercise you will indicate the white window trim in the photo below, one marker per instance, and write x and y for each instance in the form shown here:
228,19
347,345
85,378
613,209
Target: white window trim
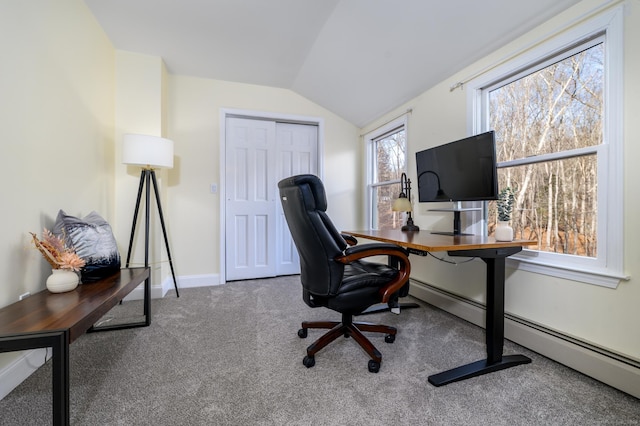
369,139
608,269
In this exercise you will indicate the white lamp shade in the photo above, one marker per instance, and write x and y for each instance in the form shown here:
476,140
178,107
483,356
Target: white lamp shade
147,151
401,204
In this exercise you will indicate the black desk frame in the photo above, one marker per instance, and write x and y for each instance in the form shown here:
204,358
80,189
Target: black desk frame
495,262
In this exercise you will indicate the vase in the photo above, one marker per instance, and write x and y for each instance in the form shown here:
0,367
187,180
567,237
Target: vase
62,280
504,232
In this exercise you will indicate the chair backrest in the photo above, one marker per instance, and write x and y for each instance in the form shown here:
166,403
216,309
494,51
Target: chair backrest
318,241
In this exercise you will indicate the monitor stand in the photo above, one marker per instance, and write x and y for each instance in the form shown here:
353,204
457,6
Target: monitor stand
456,209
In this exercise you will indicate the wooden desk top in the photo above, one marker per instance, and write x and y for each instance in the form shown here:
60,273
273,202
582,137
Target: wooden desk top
75,310
425,240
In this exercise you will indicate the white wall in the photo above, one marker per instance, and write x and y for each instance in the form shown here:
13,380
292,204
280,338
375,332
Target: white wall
603,316
56,137
140,108
187,110
194,126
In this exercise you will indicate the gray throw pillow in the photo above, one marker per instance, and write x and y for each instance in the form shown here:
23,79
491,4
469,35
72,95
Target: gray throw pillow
93,240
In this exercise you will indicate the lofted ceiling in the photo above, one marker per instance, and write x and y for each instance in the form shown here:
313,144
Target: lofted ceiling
356,58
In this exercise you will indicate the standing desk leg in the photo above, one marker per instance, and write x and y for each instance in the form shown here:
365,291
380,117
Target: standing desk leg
495,261
495,309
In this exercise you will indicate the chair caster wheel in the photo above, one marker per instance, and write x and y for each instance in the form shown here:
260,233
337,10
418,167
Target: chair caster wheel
310,361
302,333
390,338
374,366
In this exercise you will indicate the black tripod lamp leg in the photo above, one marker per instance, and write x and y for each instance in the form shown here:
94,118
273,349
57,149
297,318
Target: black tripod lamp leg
164,231
135,217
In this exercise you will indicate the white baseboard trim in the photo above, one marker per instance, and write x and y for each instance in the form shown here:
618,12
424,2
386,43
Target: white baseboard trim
190,281
29,361
614,370
21,368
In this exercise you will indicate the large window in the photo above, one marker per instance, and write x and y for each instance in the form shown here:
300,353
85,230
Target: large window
556,114
387,147
548,126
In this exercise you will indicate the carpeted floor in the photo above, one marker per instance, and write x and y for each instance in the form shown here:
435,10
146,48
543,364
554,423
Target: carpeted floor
230,355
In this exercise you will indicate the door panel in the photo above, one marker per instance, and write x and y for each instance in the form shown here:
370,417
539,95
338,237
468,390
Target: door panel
241,230
297,154
250,203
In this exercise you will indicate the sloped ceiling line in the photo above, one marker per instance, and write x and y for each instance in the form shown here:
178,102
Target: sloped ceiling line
356,58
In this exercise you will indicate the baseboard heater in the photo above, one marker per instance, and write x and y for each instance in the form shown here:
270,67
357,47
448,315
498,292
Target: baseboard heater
614,369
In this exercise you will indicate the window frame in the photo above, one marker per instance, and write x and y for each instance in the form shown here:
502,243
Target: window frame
370,138
607,268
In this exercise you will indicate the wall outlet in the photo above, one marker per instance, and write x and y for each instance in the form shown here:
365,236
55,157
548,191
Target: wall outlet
24,295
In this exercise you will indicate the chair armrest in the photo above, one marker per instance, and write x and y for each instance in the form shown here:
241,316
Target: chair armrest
372,249
350,239
395,253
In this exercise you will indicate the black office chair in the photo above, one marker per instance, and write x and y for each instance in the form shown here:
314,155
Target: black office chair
332,272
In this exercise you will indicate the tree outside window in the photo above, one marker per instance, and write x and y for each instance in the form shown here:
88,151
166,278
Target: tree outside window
388,162
548,126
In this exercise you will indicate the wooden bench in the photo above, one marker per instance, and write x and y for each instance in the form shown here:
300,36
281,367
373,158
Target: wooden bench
56,320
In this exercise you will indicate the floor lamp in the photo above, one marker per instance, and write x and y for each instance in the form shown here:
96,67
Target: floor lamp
149,152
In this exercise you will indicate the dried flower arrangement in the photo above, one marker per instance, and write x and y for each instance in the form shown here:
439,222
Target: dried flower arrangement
55,251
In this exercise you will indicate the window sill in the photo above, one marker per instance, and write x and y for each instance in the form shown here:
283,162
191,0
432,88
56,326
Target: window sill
603,278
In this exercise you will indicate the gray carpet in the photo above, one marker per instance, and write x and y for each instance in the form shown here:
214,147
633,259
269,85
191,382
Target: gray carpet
230,355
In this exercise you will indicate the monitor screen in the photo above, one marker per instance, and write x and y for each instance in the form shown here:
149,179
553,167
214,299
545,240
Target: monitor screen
464,170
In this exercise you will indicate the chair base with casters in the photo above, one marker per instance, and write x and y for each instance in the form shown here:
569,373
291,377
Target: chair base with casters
347,328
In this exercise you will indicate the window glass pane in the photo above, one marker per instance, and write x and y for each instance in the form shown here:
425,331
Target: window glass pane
555,109
386,163
390,158
555,204
558,113
382,200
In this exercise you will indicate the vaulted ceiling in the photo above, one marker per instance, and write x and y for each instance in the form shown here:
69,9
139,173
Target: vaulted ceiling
357,58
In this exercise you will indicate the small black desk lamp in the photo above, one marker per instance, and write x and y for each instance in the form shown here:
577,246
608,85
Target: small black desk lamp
403,203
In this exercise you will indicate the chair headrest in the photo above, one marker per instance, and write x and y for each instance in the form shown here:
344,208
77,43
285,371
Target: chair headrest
315,186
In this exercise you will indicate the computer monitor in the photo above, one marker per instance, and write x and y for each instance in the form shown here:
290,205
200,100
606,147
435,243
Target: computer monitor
463,170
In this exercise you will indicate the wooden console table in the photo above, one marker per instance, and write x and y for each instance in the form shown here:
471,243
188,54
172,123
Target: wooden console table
56,320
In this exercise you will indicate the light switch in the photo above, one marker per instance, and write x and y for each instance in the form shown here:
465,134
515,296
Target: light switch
214,188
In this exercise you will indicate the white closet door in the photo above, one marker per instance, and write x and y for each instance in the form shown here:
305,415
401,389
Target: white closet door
297,150
250,204
259,154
